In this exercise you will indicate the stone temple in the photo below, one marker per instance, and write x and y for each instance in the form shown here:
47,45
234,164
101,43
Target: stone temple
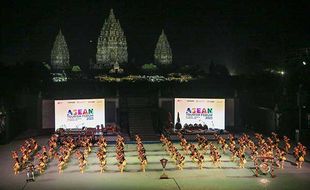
60,58
111,49
163,53
112,45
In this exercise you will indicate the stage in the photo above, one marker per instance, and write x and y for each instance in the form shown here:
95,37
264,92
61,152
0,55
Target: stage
210,177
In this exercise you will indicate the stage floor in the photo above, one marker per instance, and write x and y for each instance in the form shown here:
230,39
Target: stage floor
210,177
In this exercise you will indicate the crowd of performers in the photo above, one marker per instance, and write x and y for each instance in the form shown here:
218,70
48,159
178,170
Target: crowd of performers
61,149
141,153
258,148
191,149
237,151
120,153
28,150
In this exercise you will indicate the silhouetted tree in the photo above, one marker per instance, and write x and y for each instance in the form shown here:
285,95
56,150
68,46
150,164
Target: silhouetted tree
218,69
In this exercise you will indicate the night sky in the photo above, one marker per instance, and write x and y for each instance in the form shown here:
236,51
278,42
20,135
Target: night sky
198,31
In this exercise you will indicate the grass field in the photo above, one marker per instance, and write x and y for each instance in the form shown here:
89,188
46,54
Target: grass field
210,177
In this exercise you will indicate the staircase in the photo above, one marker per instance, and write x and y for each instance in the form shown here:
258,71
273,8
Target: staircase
140,119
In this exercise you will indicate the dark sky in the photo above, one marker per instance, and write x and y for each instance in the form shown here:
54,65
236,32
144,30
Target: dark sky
198,31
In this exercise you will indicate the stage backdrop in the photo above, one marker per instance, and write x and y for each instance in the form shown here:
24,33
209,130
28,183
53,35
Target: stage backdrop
75,114
201,111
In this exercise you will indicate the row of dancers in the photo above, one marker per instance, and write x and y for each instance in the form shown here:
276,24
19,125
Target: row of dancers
141,153
47,153
67,147
86,144
102,153
177,157
43,160
120,153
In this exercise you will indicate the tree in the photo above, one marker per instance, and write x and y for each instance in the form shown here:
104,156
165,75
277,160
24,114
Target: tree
218,69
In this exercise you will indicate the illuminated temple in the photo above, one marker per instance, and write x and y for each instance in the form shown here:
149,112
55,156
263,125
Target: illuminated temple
163,53
111,49
60,54
112,45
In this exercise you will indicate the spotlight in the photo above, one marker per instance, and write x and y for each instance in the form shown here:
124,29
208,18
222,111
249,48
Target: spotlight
304,63
264,181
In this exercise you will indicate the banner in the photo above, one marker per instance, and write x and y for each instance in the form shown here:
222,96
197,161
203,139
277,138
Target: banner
210,112
75,114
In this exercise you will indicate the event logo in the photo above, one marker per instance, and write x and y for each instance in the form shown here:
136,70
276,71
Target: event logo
199,110
78,114
194,113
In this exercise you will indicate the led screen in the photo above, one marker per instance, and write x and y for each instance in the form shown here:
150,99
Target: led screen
75,114
209,112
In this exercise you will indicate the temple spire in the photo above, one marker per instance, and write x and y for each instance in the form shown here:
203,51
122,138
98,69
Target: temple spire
112,45
163,53
111,16
60,54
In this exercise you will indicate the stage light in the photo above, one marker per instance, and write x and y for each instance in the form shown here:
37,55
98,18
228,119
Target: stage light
264,181
282,72
304,63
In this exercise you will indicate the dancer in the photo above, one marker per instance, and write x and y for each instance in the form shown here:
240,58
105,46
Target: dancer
101,156
61,163
82,163
287,145
16,167
300,154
